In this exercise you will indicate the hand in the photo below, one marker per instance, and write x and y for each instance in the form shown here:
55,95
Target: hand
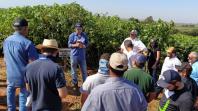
154,67
196,104
76,45
82,46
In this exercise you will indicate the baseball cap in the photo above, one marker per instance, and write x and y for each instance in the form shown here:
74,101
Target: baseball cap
171,50
167,77
185,65
118,61
20,22
140,58
78,25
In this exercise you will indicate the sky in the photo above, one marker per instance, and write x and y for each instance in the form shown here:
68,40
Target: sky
180,11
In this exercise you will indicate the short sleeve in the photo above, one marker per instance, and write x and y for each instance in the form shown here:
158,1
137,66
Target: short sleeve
93,103
86,86
32,53
60,79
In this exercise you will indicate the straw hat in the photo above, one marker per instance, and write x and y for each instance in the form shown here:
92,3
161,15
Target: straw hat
48,43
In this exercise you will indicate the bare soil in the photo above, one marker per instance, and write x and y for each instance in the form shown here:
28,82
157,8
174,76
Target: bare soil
70,103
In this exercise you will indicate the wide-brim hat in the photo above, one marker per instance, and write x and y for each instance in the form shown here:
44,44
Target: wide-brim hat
48,43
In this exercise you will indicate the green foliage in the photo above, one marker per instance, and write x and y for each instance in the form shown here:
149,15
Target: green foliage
105,33
185,44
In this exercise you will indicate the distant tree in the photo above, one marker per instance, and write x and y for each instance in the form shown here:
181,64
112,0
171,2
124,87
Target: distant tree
134,19
149,19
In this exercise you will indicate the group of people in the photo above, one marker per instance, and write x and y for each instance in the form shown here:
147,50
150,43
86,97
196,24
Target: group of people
120,84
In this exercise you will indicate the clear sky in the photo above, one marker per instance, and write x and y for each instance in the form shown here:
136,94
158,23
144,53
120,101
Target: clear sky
180,11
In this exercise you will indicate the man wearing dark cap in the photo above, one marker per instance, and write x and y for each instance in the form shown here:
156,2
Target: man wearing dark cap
116,94
140,77
176,96
18,52
78,43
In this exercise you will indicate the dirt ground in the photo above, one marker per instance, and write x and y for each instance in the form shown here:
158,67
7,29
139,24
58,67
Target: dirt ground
70,103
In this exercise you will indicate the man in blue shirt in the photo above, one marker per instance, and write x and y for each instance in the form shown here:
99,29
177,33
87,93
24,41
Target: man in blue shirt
116,94
46,79
78,42
18,52
193,60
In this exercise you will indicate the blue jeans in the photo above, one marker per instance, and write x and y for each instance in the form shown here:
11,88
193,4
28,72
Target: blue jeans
11,98
75,61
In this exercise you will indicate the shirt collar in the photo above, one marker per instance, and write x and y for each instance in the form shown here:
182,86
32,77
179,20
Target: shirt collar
77,34
114,79
16,33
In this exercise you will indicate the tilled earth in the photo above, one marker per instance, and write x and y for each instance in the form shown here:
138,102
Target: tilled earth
70,103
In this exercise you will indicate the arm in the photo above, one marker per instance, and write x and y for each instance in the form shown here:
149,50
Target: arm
32,53
84,97
157,60
86,41
61,83
72,43
85,90
62,92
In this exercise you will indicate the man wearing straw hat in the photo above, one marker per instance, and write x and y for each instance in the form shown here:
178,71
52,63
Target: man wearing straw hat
46,79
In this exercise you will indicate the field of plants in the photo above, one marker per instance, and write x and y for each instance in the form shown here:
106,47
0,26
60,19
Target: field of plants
105,33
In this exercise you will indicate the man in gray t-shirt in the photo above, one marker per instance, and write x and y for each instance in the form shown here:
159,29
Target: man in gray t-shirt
99,78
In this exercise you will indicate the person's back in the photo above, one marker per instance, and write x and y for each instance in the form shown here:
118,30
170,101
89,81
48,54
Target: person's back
16,57
46,79
141,78
93,81
191,86
116,95
181,100
43,84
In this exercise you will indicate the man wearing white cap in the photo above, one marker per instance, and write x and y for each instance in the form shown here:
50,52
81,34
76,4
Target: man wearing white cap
116,94
138,45
46,79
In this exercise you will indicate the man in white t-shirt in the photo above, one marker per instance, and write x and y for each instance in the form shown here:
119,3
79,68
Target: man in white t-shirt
170,61
130,53
99,78
138,45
